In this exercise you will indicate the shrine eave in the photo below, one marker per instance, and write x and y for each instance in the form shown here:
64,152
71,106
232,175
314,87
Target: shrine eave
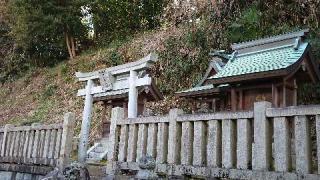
201,91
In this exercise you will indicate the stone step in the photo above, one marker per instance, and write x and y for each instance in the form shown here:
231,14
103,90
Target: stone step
100,149
94,155
93,160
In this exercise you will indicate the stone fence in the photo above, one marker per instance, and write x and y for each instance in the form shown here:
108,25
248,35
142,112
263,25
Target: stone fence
27,151
266,143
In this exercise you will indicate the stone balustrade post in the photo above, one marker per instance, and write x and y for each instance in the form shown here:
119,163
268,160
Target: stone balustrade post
174,136
5,139
117,113
66,139
262,137
302,144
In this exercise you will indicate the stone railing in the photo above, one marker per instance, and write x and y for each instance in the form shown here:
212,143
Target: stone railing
263,143
36,149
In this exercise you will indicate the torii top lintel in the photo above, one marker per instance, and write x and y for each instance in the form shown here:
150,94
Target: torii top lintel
115,81
141,64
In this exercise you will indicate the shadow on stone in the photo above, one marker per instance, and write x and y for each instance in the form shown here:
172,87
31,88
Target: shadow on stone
147,165
75,171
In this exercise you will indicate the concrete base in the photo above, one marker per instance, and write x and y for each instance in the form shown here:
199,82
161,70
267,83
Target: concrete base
210,173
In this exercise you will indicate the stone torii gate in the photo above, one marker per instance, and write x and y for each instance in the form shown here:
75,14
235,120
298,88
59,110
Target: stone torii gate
126,78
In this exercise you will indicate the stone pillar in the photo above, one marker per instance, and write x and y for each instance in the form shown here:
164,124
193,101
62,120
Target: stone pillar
262,137
186,144
318,140
174,137
117,113
152,140
162,145
142,141
244,143
66,141
53,139
282,144
228,143
199,147
123,144
86,121
46,143
303,150
132,142
214,143
5,144
35,148
133,96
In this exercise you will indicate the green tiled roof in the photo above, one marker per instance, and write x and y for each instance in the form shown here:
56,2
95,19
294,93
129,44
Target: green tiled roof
262,61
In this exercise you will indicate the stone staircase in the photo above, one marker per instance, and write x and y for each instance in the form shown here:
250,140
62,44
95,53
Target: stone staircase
98,151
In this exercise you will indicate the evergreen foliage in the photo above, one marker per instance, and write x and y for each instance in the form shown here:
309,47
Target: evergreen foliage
115,19
39,28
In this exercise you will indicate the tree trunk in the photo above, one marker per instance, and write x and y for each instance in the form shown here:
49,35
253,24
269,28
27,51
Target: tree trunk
68,45
73,49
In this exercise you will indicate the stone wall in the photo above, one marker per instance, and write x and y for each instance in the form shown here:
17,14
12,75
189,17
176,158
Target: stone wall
265,142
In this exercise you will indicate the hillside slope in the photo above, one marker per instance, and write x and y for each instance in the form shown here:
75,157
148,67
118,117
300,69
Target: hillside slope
45,94
188,32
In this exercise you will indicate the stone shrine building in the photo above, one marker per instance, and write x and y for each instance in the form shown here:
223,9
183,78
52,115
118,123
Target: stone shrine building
269,69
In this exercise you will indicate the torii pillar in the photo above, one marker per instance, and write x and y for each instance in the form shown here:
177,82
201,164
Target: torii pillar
86,121
133,95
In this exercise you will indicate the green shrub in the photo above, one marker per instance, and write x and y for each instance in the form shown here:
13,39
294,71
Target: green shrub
183,61
49,91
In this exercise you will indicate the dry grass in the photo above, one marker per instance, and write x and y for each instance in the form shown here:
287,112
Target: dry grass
45,94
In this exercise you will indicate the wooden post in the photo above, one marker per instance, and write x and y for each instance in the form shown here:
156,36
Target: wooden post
240,105
104,119
233,99
86,120
275,95
284,95
295,93
133,96
66,141
214,105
